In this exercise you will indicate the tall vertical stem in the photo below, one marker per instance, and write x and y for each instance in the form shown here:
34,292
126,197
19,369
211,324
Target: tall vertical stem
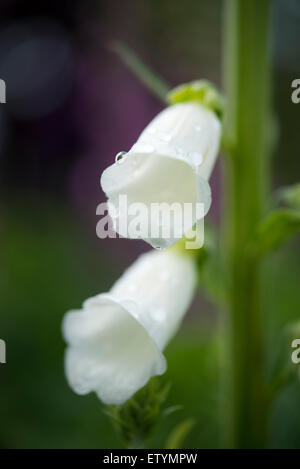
246,75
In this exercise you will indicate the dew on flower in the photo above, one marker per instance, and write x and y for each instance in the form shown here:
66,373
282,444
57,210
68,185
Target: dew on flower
159,314
197,127
164,136
196,157
120,156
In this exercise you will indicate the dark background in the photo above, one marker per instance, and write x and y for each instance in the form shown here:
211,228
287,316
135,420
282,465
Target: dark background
71,106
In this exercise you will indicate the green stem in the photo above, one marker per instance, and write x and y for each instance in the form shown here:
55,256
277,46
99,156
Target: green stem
246,74
145,74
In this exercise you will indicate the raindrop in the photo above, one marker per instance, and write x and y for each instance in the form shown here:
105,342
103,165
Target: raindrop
159,314
164,136
197,158
120,156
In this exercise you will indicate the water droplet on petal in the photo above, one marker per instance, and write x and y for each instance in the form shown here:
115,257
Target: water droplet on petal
159,314
120,156
164,136
196,158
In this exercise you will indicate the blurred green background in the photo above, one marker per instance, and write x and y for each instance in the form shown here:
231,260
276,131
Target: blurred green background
71,106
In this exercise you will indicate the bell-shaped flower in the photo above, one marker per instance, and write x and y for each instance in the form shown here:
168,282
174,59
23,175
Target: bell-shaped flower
170,163
115,342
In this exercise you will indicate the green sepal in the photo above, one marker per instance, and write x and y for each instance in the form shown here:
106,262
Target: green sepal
199,91
279,226
136,419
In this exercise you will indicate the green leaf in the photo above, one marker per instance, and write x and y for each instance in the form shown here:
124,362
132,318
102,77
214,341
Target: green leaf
142,71
179,433
279,226
137,418
284,371
200,91
290,196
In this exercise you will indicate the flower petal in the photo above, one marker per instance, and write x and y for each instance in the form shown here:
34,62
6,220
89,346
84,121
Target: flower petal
170,164
110,352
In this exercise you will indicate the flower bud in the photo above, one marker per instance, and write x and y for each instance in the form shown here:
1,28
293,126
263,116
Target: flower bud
116,340
170,163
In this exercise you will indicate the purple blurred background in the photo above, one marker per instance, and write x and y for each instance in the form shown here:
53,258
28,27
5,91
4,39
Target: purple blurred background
71,103
71,106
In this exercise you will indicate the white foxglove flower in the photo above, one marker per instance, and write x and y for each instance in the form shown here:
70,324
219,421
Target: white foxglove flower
116,340
171,162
